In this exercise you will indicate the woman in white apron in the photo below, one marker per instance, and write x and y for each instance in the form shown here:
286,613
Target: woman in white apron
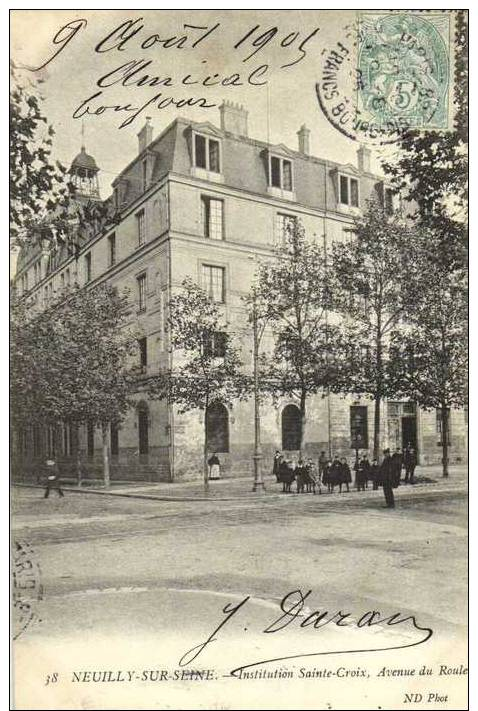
214,467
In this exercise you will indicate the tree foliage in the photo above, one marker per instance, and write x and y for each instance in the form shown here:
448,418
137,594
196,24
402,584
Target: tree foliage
39,185
431,167
205,365
371,285
432,352
70,362
293,295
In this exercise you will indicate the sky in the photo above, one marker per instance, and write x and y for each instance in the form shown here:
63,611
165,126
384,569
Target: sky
222,47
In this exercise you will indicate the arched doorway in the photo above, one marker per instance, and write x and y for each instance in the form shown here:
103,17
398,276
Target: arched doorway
291,428
217,428
143,425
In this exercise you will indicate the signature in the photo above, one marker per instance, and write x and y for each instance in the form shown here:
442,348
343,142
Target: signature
292,614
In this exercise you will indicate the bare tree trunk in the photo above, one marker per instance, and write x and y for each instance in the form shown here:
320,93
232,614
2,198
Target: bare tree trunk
303,396
376,428
77,456
444,439
205,465
106,454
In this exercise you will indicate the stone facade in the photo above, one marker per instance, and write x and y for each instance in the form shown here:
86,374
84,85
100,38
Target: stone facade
166,197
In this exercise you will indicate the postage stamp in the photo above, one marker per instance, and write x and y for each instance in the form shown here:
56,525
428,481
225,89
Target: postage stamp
27,587
388,74
404,69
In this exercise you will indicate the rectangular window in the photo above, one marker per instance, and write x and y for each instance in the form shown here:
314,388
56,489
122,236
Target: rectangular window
67,277
439,426
88,267
200,151
280,173
90,439
275,172
344,190
62,280
285,225
114,439
213,282
214,156
37,440
67,440
51,442
143,353
349,191
287,175
388,201
140,227
358,427
212,217
207,153
215,344
141,281
112,249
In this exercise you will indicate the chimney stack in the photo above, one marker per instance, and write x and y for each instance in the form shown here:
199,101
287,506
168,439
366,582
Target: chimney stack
363,159
233,118
304,139
145,136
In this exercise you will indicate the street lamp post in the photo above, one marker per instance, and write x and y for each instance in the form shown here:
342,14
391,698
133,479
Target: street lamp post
258,481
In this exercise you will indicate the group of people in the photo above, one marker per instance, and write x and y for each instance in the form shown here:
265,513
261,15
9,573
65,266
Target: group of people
336,472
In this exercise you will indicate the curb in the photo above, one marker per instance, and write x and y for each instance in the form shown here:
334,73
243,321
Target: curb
152,497
164,497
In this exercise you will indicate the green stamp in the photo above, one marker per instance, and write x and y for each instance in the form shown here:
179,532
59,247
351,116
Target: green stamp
404,70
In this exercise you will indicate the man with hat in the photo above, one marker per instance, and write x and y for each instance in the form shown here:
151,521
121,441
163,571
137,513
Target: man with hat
387,472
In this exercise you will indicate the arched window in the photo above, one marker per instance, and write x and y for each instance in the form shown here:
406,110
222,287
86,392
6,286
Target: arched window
143,420
217,428
291,428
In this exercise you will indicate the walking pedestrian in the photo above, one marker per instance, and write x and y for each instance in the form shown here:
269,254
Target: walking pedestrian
387,476
52,478
410,462
345,475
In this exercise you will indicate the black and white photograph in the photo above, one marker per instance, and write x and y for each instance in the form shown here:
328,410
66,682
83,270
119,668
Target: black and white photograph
239,358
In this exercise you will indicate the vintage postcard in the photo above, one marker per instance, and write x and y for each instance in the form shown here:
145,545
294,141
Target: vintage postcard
239,357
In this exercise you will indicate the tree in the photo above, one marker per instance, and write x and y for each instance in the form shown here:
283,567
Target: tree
430,168
431,354
292,294
205,365
39,186
368,275
70,362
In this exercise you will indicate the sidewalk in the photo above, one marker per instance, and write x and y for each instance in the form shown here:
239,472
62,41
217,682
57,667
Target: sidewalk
232,489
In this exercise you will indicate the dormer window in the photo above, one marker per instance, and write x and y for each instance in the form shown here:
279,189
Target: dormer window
349,191
280,173
207,154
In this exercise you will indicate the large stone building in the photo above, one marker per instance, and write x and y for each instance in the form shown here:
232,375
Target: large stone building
207,202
